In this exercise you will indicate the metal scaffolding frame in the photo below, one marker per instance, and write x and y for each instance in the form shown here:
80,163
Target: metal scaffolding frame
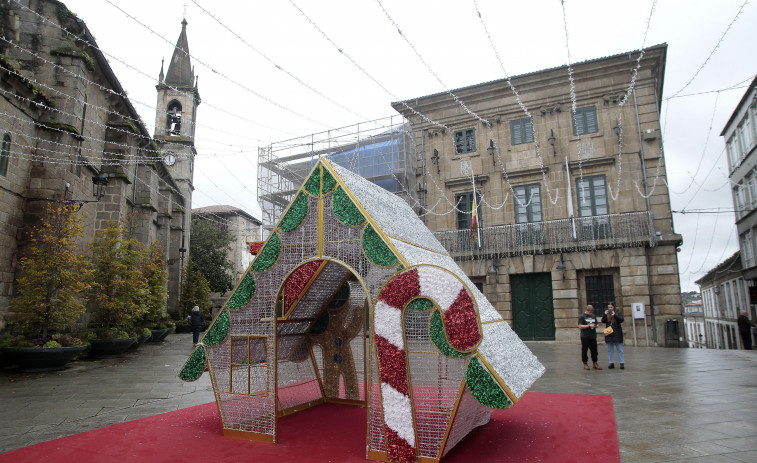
382,151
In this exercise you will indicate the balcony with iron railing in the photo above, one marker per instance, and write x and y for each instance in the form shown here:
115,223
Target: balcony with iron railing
631,229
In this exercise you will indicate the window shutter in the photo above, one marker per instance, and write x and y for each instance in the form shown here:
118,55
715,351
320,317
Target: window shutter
516,132
591,120
528,135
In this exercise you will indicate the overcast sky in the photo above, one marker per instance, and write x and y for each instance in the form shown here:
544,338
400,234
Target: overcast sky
270,72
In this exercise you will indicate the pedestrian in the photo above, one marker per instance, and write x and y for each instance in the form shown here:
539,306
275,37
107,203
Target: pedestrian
196,320
614,340
745,329
587,323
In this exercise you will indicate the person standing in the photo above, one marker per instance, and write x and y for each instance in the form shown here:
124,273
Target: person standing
745,329
196,321
614,341
587,323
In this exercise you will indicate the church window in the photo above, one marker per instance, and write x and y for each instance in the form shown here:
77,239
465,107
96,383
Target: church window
5,153
174,118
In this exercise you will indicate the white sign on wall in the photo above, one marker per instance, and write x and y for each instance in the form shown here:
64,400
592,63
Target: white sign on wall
637,308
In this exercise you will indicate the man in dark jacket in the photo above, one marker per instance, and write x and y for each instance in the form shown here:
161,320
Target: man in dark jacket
745,329
612,319
196,321
587,323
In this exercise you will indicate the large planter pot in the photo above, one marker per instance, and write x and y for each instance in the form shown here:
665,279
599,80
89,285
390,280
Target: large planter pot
160,335
140,340
183,328
109,348
33,359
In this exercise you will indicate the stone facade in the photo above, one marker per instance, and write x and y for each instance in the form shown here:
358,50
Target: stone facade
541,261
66,119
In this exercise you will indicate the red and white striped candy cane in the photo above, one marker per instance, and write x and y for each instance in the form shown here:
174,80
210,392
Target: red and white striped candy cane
462,329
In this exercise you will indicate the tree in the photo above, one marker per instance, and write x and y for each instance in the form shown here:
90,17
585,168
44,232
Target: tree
52,290
208,249
195,291
156,273
120,290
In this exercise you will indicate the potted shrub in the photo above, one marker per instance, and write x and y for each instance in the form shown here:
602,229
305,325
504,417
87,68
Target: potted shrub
51,293
119,287
156,274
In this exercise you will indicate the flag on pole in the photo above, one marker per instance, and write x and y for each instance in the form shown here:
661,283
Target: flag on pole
474,221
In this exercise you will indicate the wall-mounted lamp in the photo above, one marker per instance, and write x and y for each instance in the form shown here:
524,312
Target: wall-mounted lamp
551,141
99,183
182,252
561,266
616,129
494,269
435,160
491,150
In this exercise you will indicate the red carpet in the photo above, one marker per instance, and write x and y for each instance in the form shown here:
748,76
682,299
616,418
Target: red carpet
542,427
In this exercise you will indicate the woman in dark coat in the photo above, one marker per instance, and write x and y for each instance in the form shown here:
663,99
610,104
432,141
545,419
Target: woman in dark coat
613,318
196,320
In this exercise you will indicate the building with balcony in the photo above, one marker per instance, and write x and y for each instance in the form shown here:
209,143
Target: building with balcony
572,207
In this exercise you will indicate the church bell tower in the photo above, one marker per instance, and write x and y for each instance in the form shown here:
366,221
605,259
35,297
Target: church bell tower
175,123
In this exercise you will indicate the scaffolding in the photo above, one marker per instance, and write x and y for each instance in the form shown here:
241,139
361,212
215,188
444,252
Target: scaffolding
382,151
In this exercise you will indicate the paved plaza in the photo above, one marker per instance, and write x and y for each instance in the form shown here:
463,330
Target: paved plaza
680,405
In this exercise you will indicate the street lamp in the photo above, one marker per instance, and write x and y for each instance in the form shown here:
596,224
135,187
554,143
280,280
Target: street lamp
99,183
551,141
491,150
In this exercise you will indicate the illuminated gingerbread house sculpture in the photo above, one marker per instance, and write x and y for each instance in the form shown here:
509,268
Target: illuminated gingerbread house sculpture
352,300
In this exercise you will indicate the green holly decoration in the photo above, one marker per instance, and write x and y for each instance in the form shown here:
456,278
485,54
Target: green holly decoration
268,255
243,293
194,366
328,183
345,210
313,183
295,214
218,330
376,250
484,388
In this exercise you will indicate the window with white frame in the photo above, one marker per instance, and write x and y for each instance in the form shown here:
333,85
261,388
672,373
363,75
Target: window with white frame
751,184
734,154
747,249
739,200
746,137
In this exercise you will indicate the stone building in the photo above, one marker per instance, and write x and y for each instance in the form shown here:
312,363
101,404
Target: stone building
243,228
740,133
724,294
572,207
66,123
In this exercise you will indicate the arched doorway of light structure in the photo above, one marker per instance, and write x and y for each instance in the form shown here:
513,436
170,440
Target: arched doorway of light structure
321,337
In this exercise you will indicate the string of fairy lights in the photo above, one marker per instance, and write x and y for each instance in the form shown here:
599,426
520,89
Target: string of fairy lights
676,95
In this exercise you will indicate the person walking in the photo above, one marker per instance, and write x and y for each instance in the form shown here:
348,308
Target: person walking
196,321
614,340
587,323
745,329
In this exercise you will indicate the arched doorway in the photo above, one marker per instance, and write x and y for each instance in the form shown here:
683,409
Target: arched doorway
321,347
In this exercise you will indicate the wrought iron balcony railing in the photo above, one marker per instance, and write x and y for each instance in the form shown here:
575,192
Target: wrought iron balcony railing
565,235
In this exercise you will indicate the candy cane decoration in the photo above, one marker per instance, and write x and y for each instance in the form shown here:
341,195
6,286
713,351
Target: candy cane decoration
462,329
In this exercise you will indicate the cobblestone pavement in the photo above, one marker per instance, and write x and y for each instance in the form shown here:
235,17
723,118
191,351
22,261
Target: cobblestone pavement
671,405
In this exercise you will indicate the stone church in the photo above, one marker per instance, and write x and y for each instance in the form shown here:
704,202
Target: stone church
71,134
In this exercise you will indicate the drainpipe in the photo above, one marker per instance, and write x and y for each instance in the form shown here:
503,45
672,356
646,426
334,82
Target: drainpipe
649,210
